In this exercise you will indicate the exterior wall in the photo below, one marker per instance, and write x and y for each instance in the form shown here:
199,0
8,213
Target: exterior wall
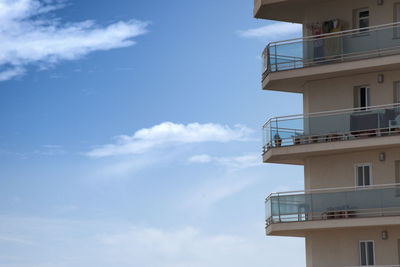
338,93
343,10
333,248
340,247
338,170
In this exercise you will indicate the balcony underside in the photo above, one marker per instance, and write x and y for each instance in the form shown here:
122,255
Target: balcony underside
292,80
296,154
282,10
300,229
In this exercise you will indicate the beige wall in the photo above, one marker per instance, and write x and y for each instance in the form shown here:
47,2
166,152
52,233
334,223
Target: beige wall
338,93
343,9
338,170
335,248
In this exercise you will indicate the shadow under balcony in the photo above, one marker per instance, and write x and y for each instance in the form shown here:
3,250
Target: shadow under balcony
290,139
289,64
298,212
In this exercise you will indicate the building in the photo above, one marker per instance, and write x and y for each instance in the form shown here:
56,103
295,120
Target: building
347,67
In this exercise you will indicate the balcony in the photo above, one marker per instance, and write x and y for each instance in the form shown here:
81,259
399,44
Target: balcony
288,64
290,213
282,10
293,136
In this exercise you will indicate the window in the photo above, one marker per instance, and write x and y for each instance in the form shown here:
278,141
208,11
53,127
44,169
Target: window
397,171
362,19
398,248
396,92
362,98
367,254
396,32
397,179
363,174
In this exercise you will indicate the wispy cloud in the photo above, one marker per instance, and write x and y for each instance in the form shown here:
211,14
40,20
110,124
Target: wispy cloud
232,163
12,72
30,34
169,133
187,246
203,158
273,32
106,243
50,150
213,191
15,240
125,167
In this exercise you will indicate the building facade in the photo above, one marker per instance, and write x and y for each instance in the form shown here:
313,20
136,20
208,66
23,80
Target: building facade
347,68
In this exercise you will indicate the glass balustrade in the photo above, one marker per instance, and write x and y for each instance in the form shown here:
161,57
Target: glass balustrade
375,41
359,202
331,126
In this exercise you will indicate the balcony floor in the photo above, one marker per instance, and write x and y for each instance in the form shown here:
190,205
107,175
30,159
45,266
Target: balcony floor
292,80
300,229
296,154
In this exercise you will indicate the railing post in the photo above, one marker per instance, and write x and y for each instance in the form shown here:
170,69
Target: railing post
268,58
270,134
341,46
311,206
276,59
279,208
380,193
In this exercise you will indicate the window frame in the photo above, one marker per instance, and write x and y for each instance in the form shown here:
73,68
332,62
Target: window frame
396,92
359,18
397,171
356,166
366,252
357,97
396,19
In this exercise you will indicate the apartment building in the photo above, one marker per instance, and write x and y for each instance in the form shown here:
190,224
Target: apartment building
347,68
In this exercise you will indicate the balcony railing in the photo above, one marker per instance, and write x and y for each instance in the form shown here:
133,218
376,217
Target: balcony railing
337,203
337,125
375,41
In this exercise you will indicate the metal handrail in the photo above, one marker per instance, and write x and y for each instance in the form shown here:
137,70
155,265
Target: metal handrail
333,189
299,137
334,34
270,51
297,208
332,112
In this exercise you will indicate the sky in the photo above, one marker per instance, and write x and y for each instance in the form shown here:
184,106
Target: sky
130,135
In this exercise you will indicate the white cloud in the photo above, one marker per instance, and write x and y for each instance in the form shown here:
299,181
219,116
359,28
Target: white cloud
11,73
28,35
274,32
203,158
232,163
168,133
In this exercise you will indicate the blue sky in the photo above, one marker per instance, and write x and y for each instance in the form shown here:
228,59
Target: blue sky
131,135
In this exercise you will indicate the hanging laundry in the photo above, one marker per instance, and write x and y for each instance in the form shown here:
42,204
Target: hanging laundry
333,43
318,45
